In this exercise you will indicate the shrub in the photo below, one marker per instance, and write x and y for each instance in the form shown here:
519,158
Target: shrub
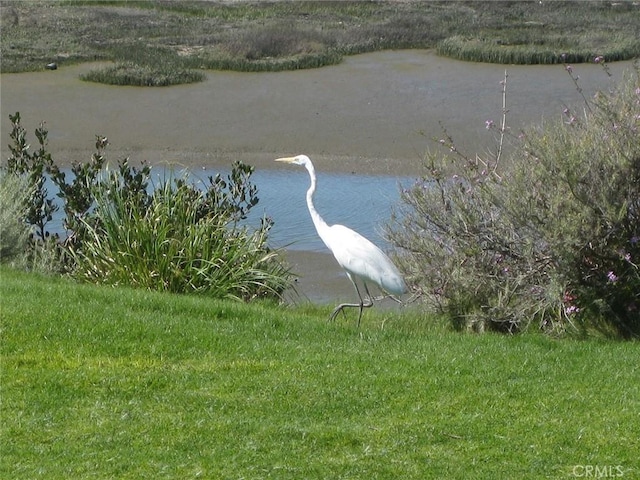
121,231
549,238
179,241
40,208
14,232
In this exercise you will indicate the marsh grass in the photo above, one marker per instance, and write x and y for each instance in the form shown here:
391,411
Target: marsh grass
148,39
174,240
102,382
130,73
530,51
14,232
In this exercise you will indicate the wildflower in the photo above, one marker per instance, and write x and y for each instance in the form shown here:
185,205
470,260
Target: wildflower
612,277
599,59
489,124
635,239
571,309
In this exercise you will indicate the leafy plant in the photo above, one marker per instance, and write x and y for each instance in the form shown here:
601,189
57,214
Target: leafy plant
183,240
122,230
549,237
40,208
14,196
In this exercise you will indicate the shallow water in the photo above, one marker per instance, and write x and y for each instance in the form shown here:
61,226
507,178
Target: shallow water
362,202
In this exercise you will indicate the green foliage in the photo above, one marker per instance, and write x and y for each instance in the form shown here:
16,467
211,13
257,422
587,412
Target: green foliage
128,73
126,383
588,212
14,232
40,208
174,238
548,238
180,239
533,50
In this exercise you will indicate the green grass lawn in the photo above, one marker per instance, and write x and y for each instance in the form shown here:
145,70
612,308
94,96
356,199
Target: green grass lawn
102,382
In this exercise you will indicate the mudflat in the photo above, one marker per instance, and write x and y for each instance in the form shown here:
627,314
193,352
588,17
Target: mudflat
374,113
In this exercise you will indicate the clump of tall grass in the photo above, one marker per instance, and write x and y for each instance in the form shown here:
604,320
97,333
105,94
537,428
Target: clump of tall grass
129,73
145,66
176,241
296,62
547,238
533,51
14,232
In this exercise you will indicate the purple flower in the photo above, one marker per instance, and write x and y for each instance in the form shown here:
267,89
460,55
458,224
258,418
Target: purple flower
612,277
489,124
599,59
635,239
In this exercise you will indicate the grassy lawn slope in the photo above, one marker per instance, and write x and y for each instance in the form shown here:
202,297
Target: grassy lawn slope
102,382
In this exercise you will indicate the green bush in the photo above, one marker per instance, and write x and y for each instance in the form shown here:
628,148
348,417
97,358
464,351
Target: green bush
14,232
549,238
177,241
122,230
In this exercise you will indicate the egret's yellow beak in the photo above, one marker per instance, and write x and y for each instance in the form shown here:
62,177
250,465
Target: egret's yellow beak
286,159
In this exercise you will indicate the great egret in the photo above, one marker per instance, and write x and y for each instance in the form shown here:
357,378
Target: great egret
361,259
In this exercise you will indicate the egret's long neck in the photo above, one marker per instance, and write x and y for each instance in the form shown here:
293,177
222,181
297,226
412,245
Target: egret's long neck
319,223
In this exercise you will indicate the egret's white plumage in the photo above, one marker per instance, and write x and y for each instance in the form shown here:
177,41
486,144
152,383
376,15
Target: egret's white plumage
361,259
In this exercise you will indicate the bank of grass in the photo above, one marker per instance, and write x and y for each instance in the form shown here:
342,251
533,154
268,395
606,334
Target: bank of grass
144,39
104,382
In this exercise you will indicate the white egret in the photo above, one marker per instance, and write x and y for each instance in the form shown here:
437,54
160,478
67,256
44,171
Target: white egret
361,259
